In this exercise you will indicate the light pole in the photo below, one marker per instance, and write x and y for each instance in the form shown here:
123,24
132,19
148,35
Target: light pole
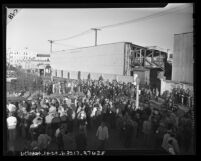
51,42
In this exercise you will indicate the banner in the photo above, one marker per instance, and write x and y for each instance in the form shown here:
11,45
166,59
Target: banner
11,13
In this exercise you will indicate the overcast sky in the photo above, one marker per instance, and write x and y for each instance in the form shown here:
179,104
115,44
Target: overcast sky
33,28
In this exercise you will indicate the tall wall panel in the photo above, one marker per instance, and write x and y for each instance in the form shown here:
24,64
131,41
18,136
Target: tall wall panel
182,69
108,58
73,75
109,77
95,76
84,75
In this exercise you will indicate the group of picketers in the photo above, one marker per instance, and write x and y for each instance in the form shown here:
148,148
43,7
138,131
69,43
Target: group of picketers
103,105
179,96
92,87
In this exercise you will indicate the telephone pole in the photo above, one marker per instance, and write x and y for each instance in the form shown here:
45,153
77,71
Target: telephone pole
95,29
51,41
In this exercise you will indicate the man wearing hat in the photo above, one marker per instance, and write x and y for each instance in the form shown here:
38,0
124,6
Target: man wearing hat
11,107
102,134
59,138
11,124
43,141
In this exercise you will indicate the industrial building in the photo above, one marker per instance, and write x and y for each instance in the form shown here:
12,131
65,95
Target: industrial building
182,66
115,59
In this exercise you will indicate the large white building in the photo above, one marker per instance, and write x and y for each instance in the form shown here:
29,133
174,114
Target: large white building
26,59
20,57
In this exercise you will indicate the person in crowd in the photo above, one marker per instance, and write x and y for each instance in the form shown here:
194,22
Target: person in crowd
171,149
174,142
88,111
11,125
81,139
11,107
34,144
147,129
44,141
48,121
59,138
138,119
102,134
69,140
165,139
128,132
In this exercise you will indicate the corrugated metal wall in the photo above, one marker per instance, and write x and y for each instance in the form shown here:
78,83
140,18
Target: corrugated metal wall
84,75
108,58
93,76
182,69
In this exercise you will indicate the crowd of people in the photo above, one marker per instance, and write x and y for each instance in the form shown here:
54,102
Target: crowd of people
101,105
179,96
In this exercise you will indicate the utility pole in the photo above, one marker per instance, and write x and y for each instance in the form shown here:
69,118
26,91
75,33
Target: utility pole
51,42
95,29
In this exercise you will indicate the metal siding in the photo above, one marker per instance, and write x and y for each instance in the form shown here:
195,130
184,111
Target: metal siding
182,70
127,53
84,75
109,77
107,59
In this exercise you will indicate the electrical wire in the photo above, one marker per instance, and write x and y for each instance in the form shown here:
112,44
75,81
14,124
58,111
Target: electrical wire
66,45
158,14
74,36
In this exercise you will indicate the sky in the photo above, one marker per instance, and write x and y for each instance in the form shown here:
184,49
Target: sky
32,28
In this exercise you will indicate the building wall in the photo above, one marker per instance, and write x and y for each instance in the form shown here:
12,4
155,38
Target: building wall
108,58
93,76
84,75
109,77
182,68
126,79
65,74
73,75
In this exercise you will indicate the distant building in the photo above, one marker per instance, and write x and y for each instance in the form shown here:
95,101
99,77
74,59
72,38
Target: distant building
114,59
27,59
20,57
119,58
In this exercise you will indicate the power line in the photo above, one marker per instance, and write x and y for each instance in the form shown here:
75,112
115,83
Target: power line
61,44
158,14
74,36
175,9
